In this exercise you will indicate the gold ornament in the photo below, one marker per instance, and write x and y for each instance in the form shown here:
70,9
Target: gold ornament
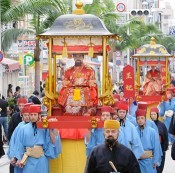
94,122
45,123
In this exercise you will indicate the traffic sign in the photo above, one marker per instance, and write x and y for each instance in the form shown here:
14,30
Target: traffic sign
1,56
29,59
120,7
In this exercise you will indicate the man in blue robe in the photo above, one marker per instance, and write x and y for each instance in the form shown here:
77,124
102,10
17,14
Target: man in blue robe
96,136
131,138
12,144
166,110
112,156
163,135
36,146
150,141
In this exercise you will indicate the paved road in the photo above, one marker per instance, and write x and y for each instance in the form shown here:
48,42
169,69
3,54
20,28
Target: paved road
169,163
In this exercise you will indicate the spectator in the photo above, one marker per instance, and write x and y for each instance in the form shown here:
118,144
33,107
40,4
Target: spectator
41,88
10,99
172,81
1,143
9,89
34,98
3,115
17,93
16,117
14,121
173,151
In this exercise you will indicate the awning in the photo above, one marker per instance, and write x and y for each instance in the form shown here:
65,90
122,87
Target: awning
11,65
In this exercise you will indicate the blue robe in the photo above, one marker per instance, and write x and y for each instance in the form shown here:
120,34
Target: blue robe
131,138
12,145
29,137
132,119
152,124
165,106
97,138
133,109
150,141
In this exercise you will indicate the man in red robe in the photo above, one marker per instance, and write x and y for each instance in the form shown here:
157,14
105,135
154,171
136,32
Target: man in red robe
152,84
79,93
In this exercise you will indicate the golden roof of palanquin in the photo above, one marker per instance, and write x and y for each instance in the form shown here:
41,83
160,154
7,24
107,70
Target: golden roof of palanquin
77,25
152,50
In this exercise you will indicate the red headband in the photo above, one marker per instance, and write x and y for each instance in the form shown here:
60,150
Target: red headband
35,109
122,106
142,106
26,108
22,100
154,110
107,109
140,112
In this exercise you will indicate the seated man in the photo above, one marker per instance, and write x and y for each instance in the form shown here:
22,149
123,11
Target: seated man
79,93
152,84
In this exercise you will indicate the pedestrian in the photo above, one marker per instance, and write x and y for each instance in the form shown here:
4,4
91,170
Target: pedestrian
163,135
14,121
166,110
36,146
173,151
34,98
172,126
131,137
17,93
14,141
150,142
172,81
16,117
10,99
3,115
9,89
96,136
112,156
1,143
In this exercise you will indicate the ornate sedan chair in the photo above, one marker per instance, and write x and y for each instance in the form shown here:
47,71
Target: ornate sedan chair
74,33
151,89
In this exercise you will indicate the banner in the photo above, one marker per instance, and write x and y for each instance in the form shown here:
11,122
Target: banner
128,78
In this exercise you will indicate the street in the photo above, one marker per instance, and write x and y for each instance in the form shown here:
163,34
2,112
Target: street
169,163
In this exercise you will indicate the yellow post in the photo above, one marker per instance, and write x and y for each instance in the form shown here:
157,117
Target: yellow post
167,70
105,66
54,74
138,72
50,74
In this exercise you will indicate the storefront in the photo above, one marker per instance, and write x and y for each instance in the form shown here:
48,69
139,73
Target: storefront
9,74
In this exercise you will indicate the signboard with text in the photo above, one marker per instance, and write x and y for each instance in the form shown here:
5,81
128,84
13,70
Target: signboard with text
128,78
29,59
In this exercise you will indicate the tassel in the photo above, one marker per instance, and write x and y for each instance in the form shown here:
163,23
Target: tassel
91,50
64,52
77,95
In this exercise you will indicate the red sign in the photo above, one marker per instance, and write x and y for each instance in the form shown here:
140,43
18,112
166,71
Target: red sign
128,77
1,56
120,7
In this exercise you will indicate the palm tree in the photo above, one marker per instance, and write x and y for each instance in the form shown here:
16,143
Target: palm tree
43,13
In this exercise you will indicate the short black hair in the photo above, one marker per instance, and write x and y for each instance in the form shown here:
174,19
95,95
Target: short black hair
18,88
36,93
